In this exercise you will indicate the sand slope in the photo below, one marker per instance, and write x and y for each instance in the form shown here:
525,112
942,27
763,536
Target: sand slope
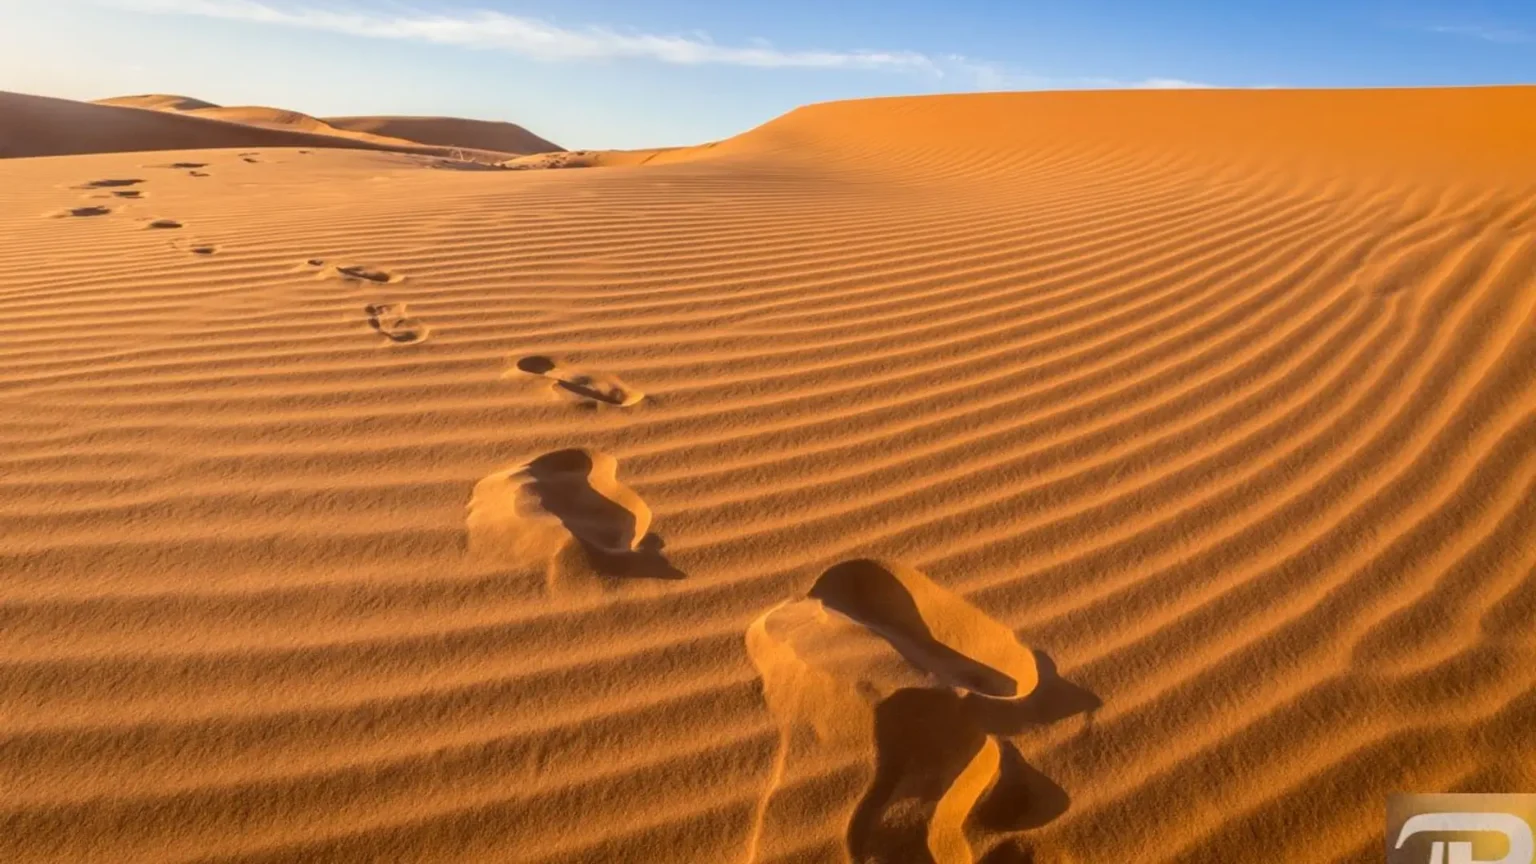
1093,477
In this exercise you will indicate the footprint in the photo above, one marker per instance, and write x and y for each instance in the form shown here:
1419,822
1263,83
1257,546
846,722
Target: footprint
109,184
590,387
197,173
184,166
94,210
163,224
566,501
128,193
194,248
356,272
250,157
390,320
880,666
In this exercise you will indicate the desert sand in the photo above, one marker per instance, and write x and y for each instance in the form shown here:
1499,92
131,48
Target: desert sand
1055,477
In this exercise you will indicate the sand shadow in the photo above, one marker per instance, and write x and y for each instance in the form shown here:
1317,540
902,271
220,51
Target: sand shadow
933,746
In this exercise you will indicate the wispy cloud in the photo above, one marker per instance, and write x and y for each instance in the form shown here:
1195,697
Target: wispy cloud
531,37
543,40
1501,35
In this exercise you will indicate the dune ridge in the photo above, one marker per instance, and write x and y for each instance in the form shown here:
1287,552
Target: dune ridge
1213,411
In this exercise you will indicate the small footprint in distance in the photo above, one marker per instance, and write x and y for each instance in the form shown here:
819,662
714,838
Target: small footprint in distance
163,224
111,183
592,388
355,272
194,247
390,321
93,210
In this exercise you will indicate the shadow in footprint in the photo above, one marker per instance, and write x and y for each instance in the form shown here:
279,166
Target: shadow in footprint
1022,798
110,184
127,193
391,322
571,485
532,511
163,224
880,666
592,387
95,210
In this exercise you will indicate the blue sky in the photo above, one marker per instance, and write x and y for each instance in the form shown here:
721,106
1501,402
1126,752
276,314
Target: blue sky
631,73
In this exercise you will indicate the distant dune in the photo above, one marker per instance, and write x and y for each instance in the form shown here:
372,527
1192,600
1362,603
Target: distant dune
450,132
40,126
157,101
1037,477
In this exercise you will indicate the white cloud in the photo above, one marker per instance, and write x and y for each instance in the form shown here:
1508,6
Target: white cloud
542,40
1169,84
1502,35
531,37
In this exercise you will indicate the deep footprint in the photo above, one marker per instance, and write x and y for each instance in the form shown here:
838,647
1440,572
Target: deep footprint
109,184
390,321
530,514
878,665
163,224
590,387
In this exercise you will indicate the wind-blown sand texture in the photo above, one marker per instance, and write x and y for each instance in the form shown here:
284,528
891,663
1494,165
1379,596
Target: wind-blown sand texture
1087,477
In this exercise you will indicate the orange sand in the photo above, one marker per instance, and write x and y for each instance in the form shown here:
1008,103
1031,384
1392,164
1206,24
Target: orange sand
1088,477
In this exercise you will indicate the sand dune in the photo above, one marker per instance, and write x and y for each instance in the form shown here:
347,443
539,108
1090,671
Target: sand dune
490,136
450,132
157,101
40,126
1090,477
